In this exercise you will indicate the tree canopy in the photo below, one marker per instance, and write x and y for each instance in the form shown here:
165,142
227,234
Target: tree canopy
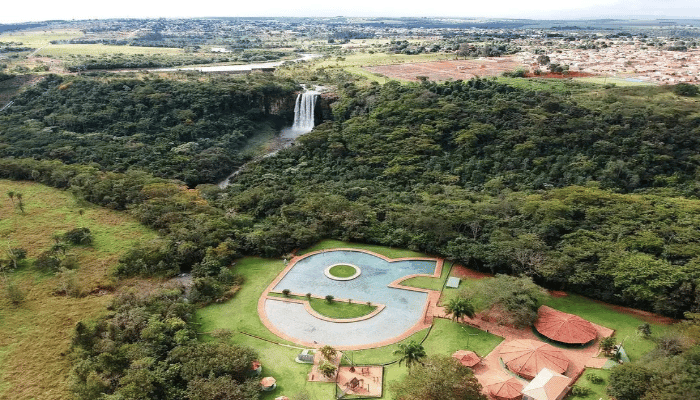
439,378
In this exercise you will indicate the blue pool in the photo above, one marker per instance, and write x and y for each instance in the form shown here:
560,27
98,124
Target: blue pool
404,308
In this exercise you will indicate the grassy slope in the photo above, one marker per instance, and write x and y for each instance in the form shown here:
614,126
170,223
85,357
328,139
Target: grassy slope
34,337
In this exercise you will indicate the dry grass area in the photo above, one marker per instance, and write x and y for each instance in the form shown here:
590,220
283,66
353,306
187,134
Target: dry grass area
35,335
448,69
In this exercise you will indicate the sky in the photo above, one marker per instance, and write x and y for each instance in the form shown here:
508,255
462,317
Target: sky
41,10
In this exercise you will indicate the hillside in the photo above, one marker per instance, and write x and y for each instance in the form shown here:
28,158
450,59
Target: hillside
35,335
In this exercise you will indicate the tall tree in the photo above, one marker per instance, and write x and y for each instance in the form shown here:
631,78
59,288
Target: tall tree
460,307
439,378
411,353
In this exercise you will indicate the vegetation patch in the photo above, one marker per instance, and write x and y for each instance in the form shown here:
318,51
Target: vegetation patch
334,309
35,335
341,309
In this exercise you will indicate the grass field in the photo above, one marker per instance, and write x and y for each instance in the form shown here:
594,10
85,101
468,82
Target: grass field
425,282
37,39
66,50
35,336
385,251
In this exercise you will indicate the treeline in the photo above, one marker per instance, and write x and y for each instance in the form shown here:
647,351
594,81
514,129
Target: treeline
190,129
433,168
147,348
133,61
191,231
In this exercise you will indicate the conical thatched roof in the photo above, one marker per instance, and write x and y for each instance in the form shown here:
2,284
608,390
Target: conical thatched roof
527,357
466,357
563,327
506,390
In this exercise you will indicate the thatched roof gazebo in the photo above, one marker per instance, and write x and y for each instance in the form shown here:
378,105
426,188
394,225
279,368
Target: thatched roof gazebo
527,357
268,383
467,358
564,328
506,390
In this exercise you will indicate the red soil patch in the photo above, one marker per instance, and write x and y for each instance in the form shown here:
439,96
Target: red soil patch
550,75
463,272
444,70
558,293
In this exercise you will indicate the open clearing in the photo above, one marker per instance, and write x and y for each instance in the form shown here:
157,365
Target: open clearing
35,336
448,69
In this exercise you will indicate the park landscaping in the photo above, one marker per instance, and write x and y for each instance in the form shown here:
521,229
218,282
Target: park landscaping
239,315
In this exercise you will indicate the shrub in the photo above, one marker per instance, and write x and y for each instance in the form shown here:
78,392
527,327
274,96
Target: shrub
686,89
81,236
14,293
286,292
329,299
580,391
595,379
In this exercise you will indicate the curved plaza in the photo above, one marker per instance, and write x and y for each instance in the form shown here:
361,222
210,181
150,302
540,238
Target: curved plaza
402,310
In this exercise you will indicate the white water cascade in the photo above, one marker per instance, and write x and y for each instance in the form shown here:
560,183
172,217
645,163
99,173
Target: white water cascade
304,111
303,123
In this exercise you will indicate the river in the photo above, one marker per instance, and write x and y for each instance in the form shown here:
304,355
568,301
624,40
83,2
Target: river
241,67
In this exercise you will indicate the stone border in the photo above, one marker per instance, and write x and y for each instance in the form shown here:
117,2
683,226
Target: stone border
328,274
433,296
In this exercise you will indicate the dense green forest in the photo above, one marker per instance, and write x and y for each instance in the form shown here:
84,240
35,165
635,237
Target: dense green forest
576,191
588,190
191,129
482,172
147,348
78,63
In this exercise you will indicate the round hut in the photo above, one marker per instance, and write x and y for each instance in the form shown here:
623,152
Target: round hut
506,390
527,357
564,328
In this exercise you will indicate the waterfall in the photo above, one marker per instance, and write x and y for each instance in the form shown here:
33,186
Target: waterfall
304,111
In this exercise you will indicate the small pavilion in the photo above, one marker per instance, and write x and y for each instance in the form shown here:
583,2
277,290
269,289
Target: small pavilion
506,390
467,358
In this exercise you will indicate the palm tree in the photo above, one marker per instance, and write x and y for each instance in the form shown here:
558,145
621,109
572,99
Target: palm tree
410,353
328,352
460,307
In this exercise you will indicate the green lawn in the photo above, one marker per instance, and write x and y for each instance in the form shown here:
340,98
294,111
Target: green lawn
336,309
597,390
342,271
426,282
447,336
341,310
